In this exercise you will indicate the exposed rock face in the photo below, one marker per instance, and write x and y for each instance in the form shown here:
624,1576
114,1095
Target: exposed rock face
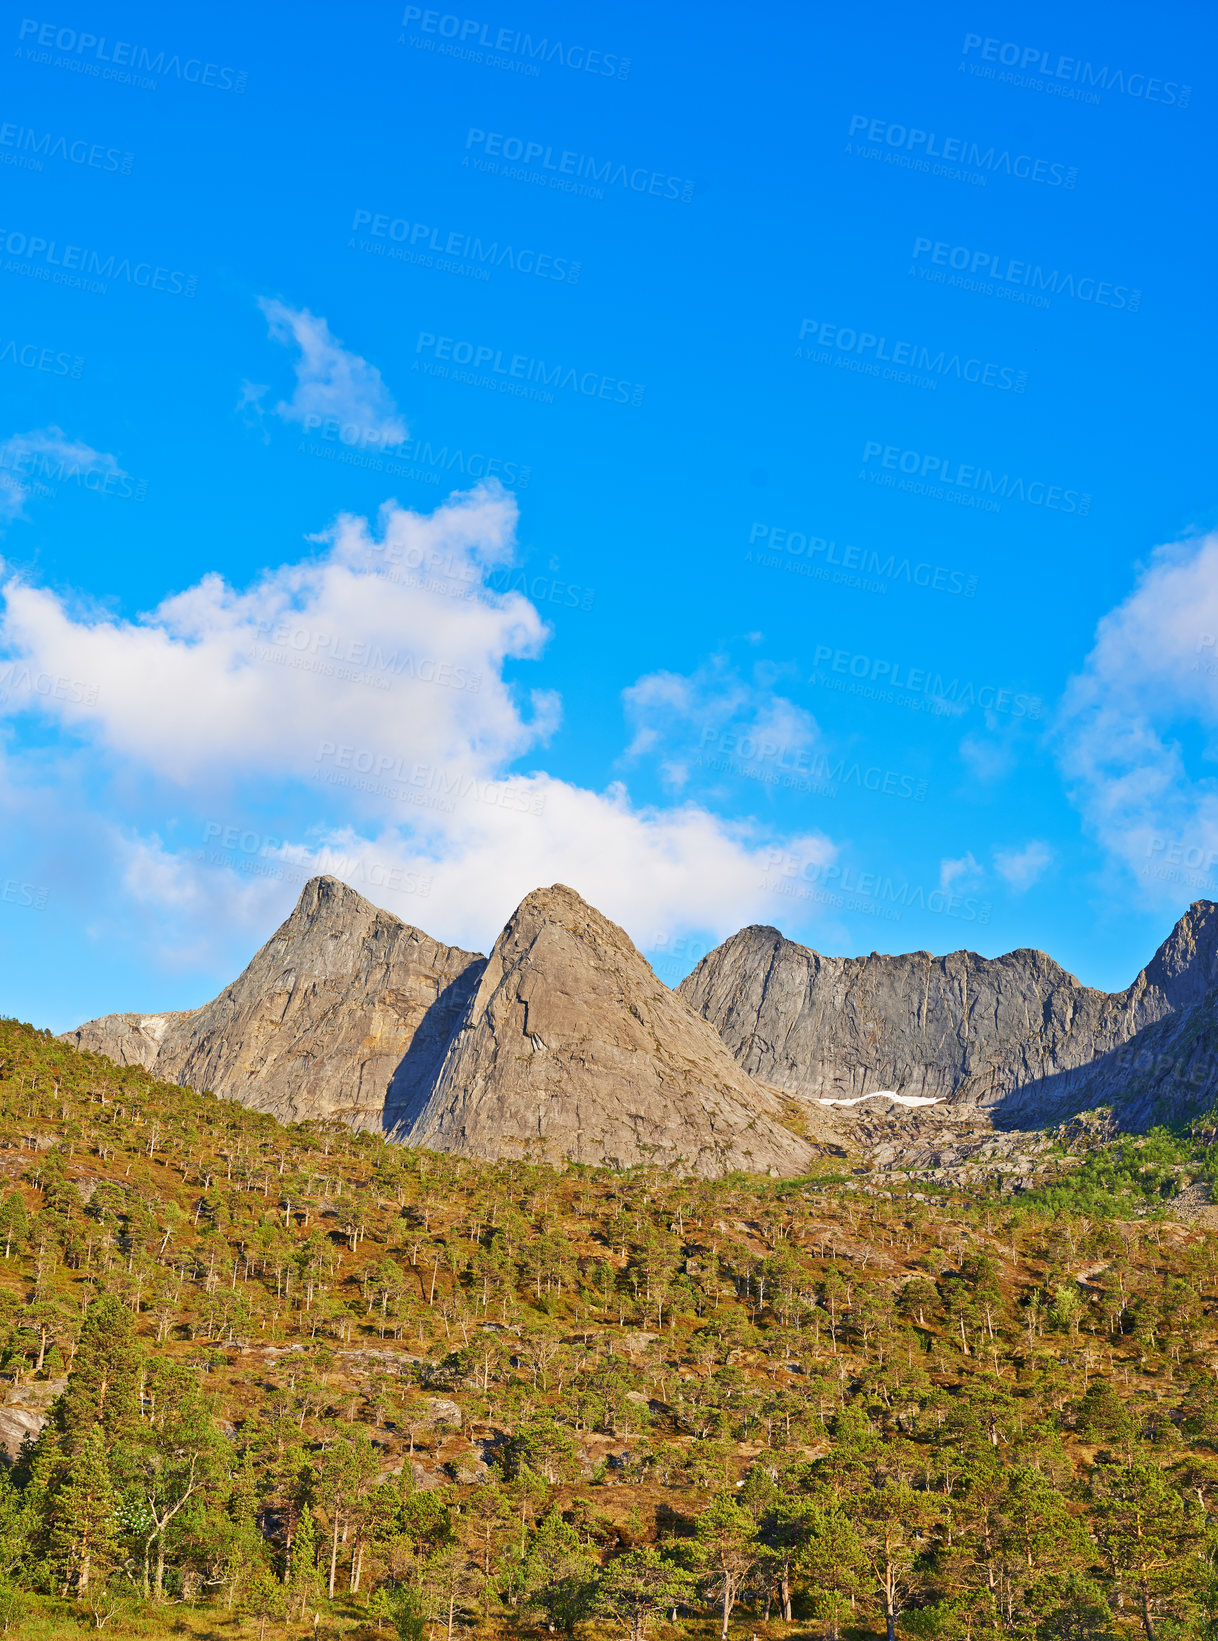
1015,1034
563,1044
572,1048
131,1039
345,1012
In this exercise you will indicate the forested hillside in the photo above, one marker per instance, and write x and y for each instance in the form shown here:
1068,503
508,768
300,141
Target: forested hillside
300,1381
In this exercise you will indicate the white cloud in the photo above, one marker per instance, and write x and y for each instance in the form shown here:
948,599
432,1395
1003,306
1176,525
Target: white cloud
689,721
989,758
1023,867
33,463
330,381
964,871
249,407
1140,721
221,682
356,703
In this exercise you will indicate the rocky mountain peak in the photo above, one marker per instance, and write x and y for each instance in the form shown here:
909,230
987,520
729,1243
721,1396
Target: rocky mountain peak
1185,967
1016,1033
344,1012
572,1047
326,899
564,1044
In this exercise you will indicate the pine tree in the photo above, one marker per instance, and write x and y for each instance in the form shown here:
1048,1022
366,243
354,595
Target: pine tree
304,1579
558,1573
103,1386
728,1549
636,1587
84,1524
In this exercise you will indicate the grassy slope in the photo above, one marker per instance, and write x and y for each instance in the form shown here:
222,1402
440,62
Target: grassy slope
512,1290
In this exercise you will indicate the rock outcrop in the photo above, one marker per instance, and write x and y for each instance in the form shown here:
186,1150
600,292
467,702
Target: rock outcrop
564,1044
1016,1035
572,1048
346,1012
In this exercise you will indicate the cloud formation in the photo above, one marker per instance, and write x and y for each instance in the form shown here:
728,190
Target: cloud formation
964,872
332,383
1021,868
33,463
694,722
352,712
1137,734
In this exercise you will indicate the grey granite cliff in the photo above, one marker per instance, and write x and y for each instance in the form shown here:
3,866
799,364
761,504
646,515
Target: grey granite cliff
564,1044
1016,1036
345,1012
572,1048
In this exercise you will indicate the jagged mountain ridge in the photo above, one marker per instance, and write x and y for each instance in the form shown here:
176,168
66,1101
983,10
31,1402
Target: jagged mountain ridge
563,1044
572,1042
345,1012
1016,1036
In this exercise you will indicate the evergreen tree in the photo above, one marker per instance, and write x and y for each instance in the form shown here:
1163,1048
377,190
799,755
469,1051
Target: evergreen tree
635,1588
558,1574
727,1549
104,1384
84,1518
304,1581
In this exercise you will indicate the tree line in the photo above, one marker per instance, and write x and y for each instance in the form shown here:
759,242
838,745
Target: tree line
299,1380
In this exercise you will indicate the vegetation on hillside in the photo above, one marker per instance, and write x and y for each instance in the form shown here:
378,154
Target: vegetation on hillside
299,1381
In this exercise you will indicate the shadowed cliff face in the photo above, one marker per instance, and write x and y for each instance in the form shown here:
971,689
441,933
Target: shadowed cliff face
1015,1035
564,1044
345,1012
572,1048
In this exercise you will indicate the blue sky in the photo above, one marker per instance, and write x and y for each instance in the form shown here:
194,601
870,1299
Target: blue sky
826,409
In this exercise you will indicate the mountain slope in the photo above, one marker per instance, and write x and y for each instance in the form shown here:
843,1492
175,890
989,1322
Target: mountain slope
1016,1034
572,1048
345,1012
